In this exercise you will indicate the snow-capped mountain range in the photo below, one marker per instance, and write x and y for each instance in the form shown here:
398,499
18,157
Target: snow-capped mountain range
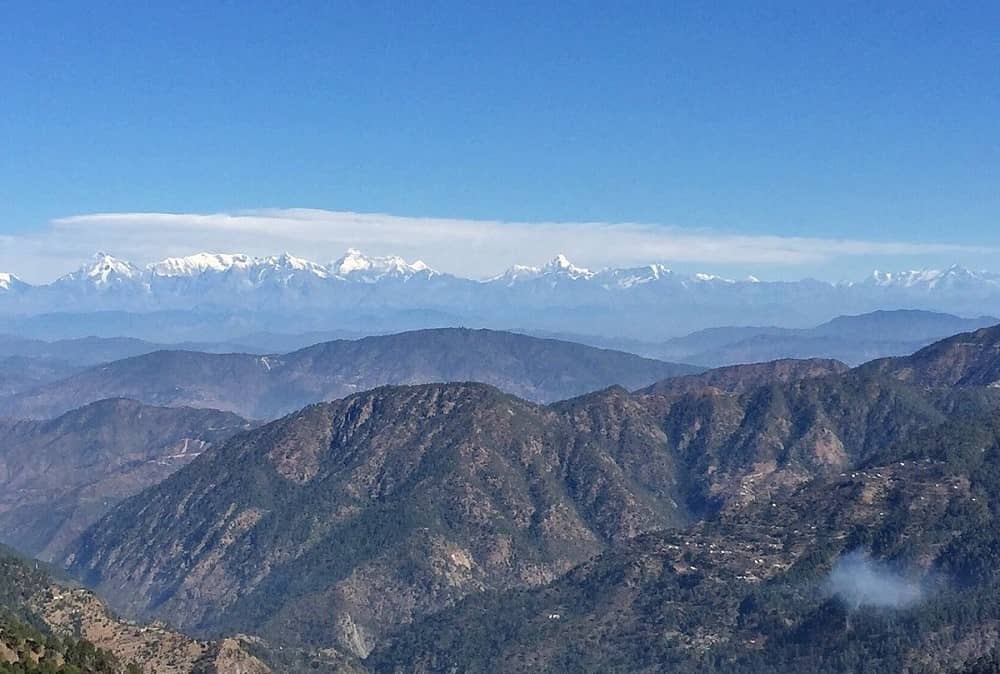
558,295
106,270
931,279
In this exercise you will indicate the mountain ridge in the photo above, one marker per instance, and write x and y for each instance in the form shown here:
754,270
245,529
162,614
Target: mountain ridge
560,295
268,386
852,338
105,269
464,474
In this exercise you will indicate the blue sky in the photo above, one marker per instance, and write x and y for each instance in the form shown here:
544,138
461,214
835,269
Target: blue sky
872,122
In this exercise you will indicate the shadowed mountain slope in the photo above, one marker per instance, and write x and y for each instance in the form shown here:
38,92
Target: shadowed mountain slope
967,359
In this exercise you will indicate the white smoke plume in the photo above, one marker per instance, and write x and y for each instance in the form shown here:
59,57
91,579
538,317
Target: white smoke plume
859,581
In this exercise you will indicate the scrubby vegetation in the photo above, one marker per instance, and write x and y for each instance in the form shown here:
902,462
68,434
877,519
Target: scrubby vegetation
27,650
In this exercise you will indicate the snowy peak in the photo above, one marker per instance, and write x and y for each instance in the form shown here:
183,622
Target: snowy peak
239,267
355,265
635,276
519,272
290,266
289,261
199,263
711,278
10,282
220,263
557,267
955,276
286,267
561,265
352,261
104,271
560,261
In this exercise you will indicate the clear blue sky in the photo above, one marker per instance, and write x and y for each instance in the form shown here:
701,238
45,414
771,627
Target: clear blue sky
874,120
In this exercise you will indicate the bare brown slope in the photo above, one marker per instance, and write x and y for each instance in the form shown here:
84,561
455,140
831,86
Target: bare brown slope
58,477
30,595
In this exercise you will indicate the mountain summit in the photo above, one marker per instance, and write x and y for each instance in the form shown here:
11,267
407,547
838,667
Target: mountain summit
560,264
355,265
11,282
103,271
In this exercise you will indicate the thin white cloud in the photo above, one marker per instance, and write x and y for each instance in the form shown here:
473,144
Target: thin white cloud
475,248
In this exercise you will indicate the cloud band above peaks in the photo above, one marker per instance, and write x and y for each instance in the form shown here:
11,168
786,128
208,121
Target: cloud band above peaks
473,248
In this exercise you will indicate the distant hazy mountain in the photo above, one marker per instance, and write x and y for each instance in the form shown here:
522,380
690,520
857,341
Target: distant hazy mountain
378,294
57,477
92,350
26,364
267,386
901,325
850,339
81,351
22,373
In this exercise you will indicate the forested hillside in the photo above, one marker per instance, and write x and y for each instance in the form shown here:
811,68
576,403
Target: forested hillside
344,523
